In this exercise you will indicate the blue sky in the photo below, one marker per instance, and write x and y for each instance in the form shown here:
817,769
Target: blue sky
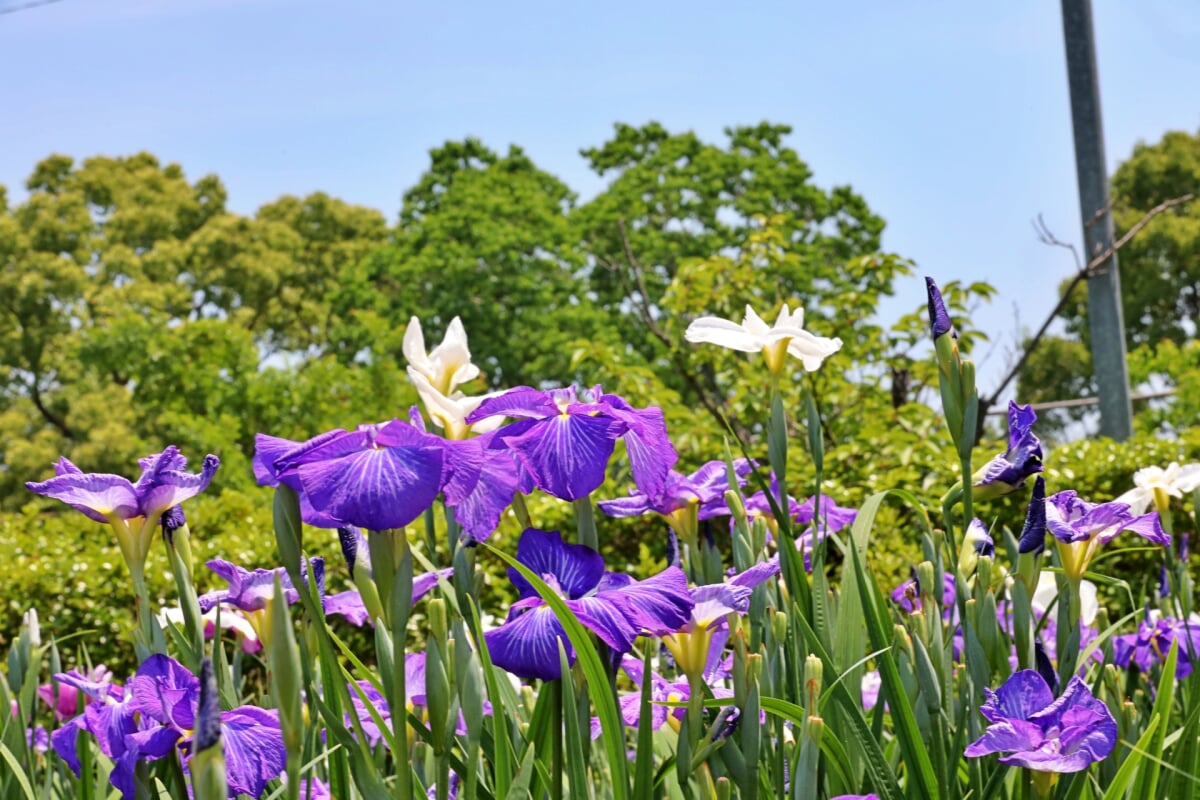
951,118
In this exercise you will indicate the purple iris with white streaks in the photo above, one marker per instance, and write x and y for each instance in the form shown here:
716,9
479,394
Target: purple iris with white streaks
1037,731
1152,643
1007,472
154,717
564,438
101,496
376,477
704,487
613,605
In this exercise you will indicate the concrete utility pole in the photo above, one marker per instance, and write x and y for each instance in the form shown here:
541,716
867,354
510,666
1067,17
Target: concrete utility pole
1105,317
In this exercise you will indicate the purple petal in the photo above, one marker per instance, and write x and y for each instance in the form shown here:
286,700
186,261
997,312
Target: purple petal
1148,526
831,517
348,605
373,487
520,402
758,574
170,488
479,512
651,453
635,506
1023,694
151,744
939,320
423,584
608,616
1006,736
576,567
717,601
165,691
660,604
254,751
95,494
63,741
567,454
527,645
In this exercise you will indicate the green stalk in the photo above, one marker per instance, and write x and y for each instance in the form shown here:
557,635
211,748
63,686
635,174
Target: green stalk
556,765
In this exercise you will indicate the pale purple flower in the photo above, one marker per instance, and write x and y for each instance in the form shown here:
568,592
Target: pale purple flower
105,497
704,487
1036,731
1153,640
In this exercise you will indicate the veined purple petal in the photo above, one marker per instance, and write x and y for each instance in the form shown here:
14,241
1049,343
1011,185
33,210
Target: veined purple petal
1019,697
608,616
651,454
567,454
1148,526
165,691
378,702
939,320
155,464
527,645
373,487
249,590
577,568
254,751
1033,535
110,723
521,402
638,504
64,739
1007,735
661,604
758,574
480,510
95,494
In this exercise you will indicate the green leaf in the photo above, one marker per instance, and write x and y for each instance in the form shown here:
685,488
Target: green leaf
1147,779
18,771
1129,767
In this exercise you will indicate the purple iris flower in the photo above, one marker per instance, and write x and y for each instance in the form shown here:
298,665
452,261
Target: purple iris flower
830,517
1006,473
704,487
155,716
1152,642
102,497
1041,733
565,437
377,477
1081,527
615,607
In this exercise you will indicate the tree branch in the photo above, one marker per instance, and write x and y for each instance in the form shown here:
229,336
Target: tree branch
1086,271
58,422
642,307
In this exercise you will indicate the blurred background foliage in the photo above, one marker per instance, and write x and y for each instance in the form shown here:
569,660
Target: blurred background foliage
137,310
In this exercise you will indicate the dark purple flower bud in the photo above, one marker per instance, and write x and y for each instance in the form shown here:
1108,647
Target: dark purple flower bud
672,548
1164,586
348,537
939,319
1044,668
1033,535
172,520
208,709
1183,547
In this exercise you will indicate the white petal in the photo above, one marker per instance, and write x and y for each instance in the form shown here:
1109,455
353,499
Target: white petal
813,350
413,346
722,332
754,324
1188,479
1138,500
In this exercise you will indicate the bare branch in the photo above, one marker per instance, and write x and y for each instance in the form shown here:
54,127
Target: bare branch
1086,271
1080,402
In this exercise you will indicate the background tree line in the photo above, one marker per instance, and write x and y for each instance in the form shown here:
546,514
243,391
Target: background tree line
137,309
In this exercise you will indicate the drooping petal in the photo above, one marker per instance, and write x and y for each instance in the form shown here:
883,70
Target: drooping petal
64,739
1005,736
348,605
424,583
527,645
254,751
577,568
716,601
567,454
98,495
357,481
725,333
812,350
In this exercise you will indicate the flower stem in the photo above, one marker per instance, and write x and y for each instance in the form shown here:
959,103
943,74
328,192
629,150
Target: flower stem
556,764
